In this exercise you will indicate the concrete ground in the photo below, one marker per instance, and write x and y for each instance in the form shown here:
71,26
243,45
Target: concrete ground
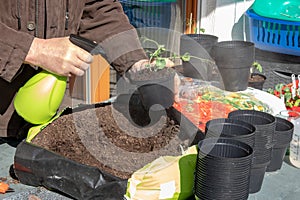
22,192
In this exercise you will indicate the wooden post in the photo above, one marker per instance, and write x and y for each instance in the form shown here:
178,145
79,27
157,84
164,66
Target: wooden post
191,16
98,80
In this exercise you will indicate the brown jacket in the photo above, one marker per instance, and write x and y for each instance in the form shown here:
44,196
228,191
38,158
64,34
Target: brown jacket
102,21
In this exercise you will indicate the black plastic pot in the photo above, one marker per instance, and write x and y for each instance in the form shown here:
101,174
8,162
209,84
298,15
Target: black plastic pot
265,128
231,128
198,45
234,60
264,124
222,169
128,105
257,84
157,90
257,174
282,137
277,157
205,40
198,69
283,132
190,130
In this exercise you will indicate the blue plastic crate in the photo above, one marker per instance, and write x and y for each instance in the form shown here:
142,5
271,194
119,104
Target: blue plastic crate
273,34
143,13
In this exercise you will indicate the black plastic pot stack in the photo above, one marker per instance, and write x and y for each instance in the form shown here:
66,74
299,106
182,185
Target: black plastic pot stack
234,60
231,128
282,137
264,124
222,169
198,45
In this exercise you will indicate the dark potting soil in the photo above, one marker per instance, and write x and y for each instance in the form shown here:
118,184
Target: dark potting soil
151,74
256,78
106,138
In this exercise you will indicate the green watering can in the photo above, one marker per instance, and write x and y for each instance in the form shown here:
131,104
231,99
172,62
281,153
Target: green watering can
39,99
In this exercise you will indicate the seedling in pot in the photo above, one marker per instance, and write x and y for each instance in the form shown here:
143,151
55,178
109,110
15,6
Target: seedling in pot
158,82
256,65
256,80
157,61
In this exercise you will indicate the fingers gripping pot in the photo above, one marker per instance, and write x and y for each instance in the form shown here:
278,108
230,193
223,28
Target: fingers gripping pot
39,99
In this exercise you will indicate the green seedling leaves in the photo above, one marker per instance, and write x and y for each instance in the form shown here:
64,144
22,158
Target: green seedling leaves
160,63
186,57
258,66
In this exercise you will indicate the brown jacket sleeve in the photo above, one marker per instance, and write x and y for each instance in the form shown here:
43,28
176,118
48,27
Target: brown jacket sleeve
106,23
14,46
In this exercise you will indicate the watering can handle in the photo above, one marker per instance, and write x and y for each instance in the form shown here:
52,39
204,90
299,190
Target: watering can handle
85,44
39,99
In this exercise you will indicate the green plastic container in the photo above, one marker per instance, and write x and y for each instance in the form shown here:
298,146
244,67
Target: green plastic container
288,10
39,99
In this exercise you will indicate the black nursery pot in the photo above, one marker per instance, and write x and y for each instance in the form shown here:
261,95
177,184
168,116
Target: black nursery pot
257,84
277,158
234,60
257,174
198,45
197,69
264,124
222,169
156,88
231,128
282,137
205,40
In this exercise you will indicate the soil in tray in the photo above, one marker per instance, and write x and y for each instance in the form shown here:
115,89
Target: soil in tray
107,138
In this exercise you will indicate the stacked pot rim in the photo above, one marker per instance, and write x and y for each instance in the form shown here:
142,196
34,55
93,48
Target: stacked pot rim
265,128
283,132
223,154
282,137
222,169
231,128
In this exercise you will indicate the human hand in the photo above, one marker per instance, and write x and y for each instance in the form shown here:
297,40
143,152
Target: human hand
59,56
142,64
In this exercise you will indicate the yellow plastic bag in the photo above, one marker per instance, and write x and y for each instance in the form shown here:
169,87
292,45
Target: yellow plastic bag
168,177
33,131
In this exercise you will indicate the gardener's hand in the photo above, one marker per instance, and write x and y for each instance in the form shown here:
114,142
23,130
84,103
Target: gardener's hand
142,64
59,56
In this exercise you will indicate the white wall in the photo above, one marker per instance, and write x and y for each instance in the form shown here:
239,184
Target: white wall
224,18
